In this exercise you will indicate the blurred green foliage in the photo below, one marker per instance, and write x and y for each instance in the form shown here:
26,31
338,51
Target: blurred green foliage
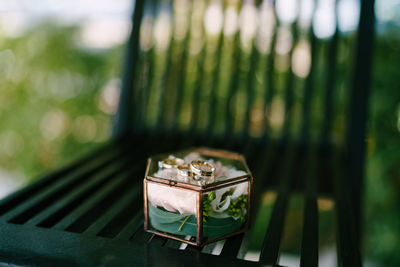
50,93
52,110
382,195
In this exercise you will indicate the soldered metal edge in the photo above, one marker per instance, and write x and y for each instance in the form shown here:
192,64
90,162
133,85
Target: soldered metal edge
200,190
242,230
206,151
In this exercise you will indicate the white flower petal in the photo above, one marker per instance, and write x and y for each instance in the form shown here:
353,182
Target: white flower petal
192,156
218,195
241,189
172,199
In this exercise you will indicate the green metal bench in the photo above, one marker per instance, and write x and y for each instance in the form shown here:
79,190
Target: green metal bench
219,90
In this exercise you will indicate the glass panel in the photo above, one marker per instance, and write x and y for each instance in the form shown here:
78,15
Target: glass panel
172,210
225,210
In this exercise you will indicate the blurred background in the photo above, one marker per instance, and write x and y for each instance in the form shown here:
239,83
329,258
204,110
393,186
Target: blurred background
60,68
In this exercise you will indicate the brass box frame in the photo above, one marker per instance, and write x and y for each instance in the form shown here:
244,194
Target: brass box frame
201,190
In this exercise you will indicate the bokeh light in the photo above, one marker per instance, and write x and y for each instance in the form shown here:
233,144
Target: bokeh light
213,18
54,124
325,22
301,59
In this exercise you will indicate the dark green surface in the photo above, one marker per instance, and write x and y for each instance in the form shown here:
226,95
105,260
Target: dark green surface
43,247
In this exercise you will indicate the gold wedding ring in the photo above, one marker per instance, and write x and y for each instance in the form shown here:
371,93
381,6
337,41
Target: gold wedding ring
170,163
184,170
202,168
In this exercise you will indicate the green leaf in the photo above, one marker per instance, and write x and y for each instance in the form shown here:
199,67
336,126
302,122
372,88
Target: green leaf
171,222
218,227
165,216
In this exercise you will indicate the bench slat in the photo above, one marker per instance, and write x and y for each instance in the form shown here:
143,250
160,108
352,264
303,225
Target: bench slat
124,218
158,240
124,204
141,236
27,245
272,240
309,243
232,246
90,202
131,227
173,243
104,203
48,216
348,250
263,166
25,193
42,199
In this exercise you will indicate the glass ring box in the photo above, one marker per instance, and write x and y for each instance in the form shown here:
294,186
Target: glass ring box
197,196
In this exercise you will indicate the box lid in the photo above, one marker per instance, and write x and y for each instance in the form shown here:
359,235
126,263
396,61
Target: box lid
230,167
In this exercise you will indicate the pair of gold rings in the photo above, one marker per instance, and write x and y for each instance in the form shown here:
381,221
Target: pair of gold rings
170,163
197,168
